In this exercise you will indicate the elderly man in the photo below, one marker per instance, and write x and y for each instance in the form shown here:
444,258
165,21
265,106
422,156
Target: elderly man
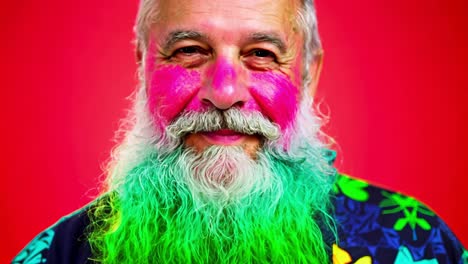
224,161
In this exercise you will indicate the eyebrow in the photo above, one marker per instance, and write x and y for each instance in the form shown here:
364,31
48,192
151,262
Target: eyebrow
269,37
179,35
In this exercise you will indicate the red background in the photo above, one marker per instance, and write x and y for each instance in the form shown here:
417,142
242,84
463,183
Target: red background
394,80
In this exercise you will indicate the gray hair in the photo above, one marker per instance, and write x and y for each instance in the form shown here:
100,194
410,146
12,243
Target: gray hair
138,131
306,19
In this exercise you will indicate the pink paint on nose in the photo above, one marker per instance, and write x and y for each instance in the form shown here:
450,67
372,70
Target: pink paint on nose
223,88
223,76
277,96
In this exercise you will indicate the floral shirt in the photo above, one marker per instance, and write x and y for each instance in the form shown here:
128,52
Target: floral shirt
374,226
380,226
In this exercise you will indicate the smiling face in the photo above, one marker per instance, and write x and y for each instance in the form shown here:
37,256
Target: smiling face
222,82
205,55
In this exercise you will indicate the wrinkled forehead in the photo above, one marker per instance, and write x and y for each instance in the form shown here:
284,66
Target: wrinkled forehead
235,9
231,17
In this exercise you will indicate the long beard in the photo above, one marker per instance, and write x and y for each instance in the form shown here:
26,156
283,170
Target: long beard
267,211
216,206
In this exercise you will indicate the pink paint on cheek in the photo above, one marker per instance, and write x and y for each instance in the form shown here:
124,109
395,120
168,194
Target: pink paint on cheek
277,96
252,105
171,88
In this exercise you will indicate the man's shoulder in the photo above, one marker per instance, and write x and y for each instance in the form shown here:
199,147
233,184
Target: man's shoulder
63,242
360,190
380,224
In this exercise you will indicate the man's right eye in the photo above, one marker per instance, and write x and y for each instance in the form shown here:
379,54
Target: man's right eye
189,56
188,50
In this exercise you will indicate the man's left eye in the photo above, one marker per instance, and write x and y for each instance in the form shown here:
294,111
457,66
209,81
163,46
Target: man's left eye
263,53
260,59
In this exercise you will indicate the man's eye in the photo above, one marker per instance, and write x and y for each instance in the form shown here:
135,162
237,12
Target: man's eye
263,53
189,56
188,50
260,59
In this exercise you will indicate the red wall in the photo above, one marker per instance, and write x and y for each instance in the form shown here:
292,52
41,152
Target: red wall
394,80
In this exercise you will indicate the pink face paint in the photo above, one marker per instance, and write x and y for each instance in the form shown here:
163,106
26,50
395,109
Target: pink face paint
224,75
223,87
171,88
277,96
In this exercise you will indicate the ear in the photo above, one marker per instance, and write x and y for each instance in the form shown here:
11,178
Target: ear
314,70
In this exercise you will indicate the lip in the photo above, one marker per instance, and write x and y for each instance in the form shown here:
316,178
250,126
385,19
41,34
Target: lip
223,137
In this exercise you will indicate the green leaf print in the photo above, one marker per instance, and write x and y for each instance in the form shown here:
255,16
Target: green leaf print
423,223
400,224
411,208
465,257
354,189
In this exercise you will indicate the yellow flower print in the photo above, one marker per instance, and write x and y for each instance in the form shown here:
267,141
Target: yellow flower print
340,256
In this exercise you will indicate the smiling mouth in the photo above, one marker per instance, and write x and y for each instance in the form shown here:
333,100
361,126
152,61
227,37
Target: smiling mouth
224,137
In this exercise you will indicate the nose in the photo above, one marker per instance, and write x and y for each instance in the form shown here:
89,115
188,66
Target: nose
223,86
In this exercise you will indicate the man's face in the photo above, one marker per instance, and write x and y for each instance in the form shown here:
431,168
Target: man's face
224,54
215,68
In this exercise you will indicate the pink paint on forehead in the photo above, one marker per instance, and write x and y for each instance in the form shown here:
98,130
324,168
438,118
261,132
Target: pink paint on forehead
277,96
171,88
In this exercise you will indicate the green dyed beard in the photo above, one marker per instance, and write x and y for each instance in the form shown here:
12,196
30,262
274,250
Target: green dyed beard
219,206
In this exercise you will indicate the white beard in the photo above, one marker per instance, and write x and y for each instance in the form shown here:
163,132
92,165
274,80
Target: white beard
222,173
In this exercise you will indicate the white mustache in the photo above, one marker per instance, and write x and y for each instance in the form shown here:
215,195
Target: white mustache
250,123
